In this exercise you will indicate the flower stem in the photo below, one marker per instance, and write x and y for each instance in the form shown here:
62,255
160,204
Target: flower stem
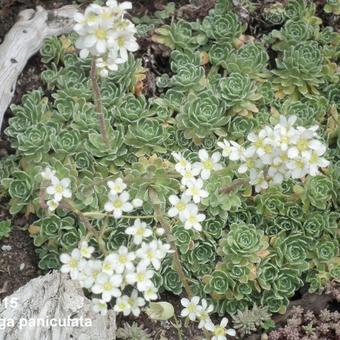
100,214
176,259
98,102
90,228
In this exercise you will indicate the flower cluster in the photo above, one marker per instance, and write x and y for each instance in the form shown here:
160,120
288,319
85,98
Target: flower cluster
276,154
119,272
196,311
193,175
106,34
58,189
119,199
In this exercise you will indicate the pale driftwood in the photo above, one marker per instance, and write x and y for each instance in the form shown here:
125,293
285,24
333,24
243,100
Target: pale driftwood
23,40
53,296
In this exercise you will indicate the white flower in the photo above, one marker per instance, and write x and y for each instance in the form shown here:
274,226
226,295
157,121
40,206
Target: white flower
122,305
89,274
226,148
237,152
207,163
59,188
220,331
203,314
192,219
119,9
52,204
99,306
125,42
149,253
139,231
118,204
188,174
195,190
107,286
142,277
298,167
109,264
135,303
191,308
73,263
314,161
150,293
108,64
180,205
181,164
123,260
86,250
117,186
258,179
258,143
48,173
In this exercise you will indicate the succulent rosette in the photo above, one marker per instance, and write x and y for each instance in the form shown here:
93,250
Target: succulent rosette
202,116
240,94
299,73
244,243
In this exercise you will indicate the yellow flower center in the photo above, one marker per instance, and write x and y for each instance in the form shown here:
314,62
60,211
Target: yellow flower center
195,191
121,41
73,264
122,259
140,277
302,144
122,305
117,187
191,308
59,189
140,231
101,34
299,164
180,206
107,266
192,219
149,254
314,158
107,286
118,204
208,164
268,149
259,143
219,331
91,18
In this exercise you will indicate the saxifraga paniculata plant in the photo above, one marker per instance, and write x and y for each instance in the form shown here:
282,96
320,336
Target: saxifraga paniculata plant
260,238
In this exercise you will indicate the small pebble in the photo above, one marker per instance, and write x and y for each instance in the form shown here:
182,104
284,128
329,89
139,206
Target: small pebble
6,247
22,266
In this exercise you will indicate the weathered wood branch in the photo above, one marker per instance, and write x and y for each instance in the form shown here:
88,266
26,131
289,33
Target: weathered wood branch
25,39
53,296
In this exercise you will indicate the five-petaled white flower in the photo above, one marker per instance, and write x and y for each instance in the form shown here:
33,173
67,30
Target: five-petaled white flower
196,191
139,231
86,250
48,173
108,286
118,204
117,186
207,164
123,260
220,331
203,314
179,205
191,308
72,264
135,302
141,277
59,188
192,219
